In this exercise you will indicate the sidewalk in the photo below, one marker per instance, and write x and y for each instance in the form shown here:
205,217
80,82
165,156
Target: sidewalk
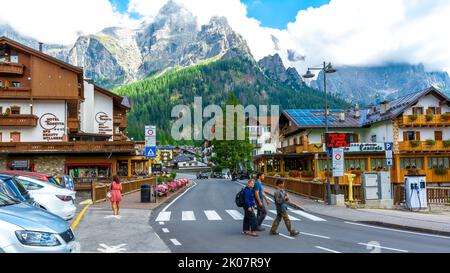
436,223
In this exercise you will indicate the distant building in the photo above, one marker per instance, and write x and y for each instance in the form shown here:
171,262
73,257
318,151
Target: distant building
260,136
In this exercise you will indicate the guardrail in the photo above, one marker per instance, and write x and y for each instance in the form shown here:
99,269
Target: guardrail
99,191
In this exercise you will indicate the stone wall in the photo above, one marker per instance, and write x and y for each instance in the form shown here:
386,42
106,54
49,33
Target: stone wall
50,164
3,161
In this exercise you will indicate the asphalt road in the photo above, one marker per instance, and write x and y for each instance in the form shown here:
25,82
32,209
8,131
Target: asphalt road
206,219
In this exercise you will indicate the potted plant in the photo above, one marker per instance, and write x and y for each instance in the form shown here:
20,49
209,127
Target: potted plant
446,143
431,142
294,174
429,117
413,117
307,173
440,171
445,116
415,143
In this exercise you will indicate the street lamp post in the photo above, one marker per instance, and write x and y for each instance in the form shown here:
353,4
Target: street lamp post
327,69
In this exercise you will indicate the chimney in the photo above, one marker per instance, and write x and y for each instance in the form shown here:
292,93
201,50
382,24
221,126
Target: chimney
40,46
357,112
384,107
342,117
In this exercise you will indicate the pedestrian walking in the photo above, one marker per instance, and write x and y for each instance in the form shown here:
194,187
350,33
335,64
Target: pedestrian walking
249,214
116,194
261,201
281,199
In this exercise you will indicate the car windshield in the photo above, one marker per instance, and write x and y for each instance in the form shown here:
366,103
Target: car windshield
52,180
5,200
5,189
20,187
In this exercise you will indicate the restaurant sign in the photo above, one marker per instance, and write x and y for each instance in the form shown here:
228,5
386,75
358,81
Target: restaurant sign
103,121
365,147
337,140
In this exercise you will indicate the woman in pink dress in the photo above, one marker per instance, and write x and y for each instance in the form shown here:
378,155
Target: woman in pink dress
116,194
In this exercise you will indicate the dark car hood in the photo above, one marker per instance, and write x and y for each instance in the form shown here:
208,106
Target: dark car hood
32,218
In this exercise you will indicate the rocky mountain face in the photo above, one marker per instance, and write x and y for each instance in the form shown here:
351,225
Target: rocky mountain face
172,39
366,85
274,68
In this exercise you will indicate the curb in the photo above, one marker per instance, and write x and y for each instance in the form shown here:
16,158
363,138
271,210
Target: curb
407,228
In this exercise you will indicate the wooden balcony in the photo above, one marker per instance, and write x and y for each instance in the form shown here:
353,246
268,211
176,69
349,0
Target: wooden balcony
423,146
423,121
15,93
11,68
66,147
73,124
119,137
18,120
120,121
300,149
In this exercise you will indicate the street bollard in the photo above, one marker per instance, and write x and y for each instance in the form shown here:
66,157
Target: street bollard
350,178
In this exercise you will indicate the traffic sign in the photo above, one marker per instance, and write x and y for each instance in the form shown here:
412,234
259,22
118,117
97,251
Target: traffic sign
389,154
389,162
150,131
150,152
388,146
338,162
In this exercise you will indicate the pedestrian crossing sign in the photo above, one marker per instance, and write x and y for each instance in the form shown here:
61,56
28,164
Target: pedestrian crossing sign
150,152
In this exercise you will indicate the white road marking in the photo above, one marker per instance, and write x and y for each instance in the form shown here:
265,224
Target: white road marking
175,242
268,218
281,234
235,214
292,218
161,223
397,230
383,247
165,230
195,184
314,235
327,249
111,249
163,216
188,216
308,216
212,215
113,216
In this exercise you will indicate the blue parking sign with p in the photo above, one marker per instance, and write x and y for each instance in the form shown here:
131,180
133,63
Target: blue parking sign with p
388,146
150,152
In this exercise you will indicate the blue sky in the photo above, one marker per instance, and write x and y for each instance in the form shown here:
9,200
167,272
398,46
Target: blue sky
271,13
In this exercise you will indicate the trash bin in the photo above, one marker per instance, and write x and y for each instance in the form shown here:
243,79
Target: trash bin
145,193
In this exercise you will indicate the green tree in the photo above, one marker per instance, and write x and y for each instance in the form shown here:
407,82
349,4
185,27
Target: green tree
229,153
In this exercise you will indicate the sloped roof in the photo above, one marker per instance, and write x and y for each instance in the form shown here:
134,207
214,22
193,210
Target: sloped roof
400,105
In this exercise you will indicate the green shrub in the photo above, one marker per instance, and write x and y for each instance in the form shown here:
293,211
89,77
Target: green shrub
429,117
415,143
307,173
445,116
431,142
446,143
413,117
440,171
172,175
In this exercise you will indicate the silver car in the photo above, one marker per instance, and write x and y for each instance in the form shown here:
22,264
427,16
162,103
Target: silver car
27,229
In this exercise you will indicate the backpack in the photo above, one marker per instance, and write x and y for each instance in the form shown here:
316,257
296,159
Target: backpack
240,198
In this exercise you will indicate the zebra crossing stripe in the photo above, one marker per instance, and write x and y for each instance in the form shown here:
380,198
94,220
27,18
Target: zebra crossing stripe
212,215
308,216
163,216
292,218
188,216
235,214
268,218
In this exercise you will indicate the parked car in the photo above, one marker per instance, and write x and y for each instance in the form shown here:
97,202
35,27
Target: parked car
202,175
217,175
27,229
13,188
41,176
226,173
241,176
51,197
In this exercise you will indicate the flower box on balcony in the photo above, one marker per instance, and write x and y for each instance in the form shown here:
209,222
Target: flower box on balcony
440,171
445,116
413,117
446,143
431,142
307,173
415,143
429,117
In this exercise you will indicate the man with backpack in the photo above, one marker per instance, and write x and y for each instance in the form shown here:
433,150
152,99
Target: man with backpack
281,199
246,199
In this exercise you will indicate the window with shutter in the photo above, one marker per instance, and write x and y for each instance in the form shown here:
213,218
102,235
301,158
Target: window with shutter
417,135
438,110
405,136
438,135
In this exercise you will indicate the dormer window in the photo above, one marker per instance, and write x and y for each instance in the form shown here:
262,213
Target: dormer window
15,110
417,110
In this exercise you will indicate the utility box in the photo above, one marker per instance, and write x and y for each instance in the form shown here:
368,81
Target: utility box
416,192
370,185
384,186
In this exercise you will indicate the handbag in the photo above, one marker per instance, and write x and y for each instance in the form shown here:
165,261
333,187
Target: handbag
109,195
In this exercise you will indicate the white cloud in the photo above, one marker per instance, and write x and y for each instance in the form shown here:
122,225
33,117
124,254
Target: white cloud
374,32
54,21
345,32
